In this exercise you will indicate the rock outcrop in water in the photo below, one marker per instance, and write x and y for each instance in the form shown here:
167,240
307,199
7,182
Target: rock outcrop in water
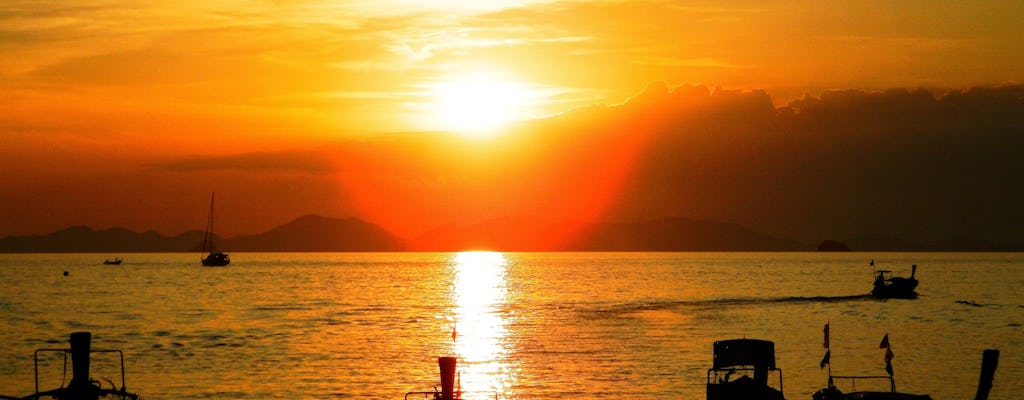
833,245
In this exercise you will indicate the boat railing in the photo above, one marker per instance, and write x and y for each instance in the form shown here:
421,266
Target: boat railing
116,391
733,375
853,380
436,395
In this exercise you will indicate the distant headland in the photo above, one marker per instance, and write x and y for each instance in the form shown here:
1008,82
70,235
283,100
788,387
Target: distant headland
312,233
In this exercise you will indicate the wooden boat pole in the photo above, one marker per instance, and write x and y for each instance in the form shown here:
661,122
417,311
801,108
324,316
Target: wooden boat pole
447,365
989,362
80,347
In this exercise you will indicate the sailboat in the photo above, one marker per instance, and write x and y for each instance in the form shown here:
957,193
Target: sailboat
214,258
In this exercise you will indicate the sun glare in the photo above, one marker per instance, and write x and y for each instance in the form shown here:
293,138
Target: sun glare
481,331
479,107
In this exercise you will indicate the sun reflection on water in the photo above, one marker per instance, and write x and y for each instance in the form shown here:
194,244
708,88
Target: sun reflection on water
480,331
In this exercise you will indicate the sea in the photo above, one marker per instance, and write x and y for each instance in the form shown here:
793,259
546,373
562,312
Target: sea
521,325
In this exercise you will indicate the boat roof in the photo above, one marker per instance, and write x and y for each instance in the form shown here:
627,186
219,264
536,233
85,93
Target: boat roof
736,352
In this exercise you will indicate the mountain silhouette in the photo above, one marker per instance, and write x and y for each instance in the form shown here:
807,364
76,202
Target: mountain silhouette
82,239
680,234
309,233
313,233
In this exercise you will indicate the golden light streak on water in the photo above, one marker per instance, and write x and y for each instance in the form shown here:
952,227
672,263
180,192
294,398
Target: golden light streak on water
481,335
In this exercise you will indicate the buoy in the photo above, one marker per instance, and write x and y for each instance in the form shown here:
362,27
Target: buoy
65,273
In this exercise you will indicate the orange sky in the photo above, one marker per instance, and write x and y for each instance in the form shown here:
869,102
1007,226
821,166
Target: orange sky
130,114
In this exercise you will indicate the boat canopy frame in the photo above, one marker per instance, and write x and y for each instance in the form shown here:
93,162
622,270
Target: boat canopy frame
122,393
754,360
853,380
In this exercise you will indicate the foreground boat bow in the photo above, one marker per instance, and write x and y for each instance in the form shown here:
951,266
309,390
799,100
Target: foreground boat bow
81,386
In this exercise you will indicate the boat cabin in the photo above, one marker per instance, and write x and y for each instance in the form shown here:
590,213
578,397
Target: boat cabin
744,369
888,286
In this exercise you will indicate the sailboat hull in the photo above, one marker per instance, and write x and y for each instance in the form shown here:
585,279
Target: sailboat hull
216,260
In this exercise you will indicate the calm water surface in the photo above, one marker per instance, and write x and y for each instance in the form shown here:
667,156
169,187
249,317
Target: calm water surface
524,325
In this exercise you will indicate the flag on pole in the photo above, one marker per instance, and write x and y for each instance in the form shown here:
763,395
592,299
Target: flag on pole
888,353
826,336
825,360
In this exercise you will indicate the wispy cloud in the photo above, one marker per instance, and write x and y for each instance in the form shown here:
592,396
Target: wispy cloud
687,62
212,56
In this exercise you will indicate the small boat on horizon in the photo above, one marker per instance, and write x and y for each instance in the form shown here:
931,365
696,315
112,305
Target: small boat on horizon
116,261
887,286
213,258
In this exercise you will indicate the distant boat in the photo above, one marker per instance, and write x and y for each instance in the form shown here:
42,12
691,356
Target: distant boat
213,258
887,286
116,261
740,371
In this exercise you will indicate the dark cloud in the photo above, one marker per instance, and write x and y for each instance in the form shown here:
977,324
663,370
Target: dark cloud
916,164
305,161
906,162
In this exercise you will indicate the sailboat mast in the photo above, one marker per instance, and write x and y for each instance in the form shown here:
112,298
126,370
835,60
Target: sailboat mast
209,224
212,257
208,236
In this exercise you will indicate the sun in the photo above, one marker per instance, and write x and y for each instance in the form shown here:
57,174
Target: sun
478,106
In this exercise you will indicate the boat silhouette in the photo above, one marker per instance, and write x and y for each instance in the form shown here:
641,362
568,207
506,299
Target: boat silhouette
989,363
213,258
81,386
451,387
741,369
887,286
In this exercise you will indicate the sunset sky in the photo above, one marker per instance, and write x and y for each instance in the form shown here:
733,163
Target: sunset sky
415,115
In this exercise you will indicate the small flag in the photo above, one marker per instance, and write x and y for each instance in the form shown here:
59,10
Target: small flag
826,336
888,353
825,360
